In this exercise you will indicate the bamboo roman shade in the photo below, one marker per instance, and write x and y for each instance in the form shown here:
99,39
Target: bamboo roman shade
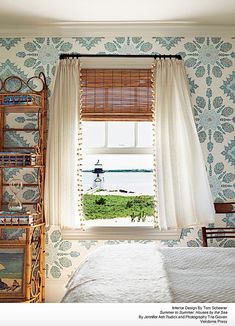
116,94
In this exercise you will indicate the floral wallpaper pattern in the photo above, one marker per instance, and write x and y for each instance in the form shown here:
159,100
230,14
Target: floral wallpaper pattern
168,42
208,56
209,63
128,45
88,42
228,86
8,43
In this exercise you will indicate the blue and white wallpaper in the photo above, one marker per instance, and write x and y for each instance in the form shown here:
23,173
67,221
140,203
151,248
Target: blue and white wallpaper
209,64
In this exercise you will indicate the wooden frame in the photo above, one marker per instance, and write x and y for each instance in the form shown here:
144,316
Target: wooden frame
25,98
20,101
224,208
216,233
12,258
219,232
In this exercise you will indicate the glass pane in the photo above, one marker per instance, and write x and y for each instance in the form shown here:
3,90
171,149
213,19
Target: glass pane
119,161
93,134
121,134
128,172
118,190
145,134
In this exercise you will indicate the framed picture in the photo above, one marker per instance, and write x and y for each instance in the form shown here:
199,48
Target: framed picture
12,271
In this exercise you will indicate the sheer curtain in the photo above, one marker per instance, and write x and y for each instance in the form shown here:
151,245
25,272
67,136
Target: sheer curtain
63,190
183,192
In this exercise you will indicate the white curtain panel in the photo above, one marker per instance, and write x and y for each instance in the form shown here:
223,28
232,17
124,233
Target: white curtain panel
63,199
183,193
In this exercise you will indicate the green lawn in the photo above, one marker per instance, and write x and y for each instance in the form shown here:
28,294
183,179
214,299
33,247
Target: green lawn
111,206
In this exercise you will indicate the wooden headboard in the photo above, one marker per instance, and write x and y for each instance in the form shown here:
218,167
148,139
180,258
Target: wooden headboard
223,208
213,233
220,232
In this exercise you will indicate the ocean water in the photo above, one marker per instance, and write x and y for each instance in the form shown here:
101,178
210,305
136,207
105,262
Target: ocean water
11,264
139,182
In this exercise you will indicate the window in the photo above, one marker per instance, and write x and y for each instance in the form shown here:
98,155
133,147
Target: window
117,139
122,194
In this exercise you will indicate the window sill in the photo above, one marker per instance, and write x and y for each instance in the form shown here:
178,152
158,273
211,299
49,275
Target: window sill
120,233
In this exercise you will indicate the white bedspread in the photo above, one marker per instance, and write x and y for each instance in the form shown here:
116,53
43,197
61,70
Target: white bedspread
146,273
200,274
120,273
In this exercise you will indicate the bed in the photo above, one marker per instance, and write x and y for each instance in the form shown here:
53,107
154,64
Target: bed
131,273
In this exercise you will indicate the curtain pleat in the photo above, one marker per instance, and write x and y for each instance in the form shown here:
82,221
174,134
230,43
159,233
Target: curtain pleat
63,190
183,193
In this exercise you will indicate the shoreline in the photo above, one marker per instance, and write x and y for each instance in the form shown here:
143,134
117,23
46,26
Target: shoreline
114,192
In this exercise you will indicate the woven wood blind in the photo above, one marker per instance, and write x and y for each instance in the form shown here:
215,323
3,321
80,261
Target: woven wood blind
116,94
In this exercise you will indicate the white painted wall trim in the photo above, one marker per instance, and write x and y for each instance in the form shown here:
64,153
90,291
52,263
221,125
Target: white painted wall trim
143,29
120,233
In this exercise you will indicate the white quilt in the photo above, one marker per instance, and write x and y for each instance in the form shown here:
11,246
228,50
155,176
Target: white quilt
145,273
200,274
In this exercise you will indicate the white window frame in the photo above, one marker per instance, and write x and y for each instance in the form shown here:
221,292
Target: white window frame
115,232
119,150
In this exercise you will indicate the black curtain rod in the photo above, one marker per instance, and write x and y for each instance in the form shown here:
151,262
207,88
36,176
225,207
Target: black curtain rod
155,56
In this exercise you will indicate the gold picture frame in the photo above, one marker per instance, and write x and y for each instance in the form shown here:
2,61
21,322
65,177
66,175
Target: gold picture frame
12,271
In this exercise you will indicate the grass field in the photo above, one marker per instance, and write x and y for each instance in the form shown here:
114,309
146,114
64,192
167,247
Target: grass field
112,206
